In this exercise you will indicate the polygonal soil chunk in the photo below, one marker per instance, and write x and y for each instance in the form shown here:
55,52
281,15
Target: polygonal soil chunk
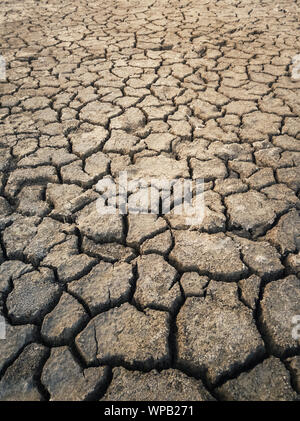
111,252
73,173
252,211
142,227
286,234
250,288
206,215
31,201
64,321
36,103
33,296
293,263
262,122
260,256
131,120
68,198
294,365
156,287
168,385
204,110
208,170
124,334
19,382
105,286
159,244
268,381
212,131
287,142
158,167
291,126
244,169
211,254
186,149
240,107
42,156
203,212
59,194
290,177
16,337
96,112
122,142
232,151
49,233
279,306
193,284
119,163
67,381
96,165
159,141
98,227
261,179
283,193
217,334
10,270
84,144
272,157
229,186
21,176
5,208
18,235
67,261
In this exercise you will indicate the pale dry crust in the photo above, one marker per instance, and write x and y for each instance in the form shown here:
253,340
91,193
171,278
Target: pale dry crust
163,89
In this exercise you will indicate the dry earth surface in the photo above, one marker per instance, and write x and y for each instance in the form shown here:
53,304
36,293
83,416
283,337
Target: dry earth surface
131,307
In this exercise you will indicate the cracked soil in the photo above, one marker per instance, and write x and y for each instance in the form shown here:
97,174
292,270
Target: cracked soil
143,307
